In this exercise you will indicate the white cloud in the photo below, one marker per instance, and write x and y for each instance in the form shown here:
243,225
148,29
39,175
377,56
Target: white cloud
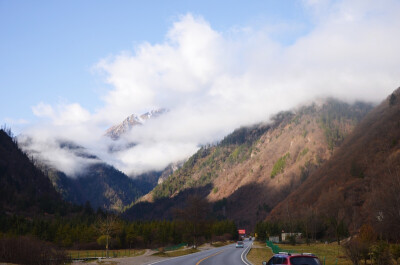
43,110
213,82
17,122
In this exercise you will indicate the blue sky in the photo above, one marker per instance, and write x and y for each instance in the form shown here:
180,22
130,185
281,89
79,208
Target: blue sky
71,69
48,48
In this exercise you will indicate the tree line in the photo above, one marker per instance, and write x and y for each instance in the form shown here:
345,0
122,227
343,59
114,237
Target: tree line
75,233
94,230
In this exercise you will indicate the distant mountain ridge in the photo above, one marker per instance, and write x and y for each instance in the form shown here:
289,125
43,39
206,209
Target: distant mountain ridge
100,184
131,121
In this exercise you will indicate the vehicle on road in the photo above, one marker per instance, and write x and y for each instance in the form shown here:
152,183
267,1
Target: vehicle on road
293,259
239,244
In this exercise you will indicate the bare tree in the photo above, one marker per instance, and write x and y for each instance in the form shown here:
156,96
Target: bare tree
309,219
352,250
332,206
107,227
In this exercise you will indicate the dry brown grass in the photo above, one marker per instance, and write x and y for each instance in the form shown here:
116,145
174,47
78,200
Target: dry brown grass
259,253
176,253
330,253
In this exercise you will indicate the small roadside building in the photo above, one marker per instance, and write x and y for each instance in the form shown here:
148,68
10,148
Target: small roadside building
274,239
285,236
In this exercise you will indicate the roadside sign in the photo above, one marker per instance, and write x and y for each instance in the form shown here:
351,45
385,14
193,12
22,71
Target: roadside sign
242,231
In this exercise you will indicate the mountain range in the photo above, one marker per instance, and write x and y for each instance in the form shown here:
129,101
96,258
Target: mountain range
333,160
255,168
100,184
328,155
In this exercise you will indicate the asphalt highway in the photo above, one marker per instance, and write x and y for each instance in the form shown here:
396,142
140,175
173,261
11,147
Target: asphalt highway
227,255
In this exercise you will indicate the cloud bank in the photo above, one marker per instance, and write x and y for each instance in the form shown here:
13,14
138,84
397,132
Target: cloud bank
213,82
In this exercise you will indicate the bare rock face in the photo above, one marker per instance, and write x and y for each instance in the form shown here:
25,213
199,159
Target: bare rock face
133,120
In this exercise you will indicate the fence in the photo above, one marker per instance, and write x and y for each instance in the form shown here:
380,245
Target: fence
276,249
171,248
96,254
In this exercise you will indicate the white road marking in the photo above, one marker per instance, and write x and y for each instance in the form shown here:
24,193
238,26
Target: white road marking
243,254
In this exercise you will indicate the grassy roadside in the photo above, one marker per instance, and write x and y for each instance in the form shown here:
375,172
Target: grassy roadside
182,252
259,253
221,244
74,254
330,253
176,253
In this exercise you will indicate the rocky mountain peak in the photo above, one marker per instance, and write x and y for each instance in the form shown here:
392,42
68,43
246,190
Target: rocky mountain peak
131,121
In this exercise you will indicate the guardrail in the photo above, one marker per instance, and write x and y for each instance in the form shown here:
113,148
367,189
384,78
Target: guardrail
276,249
170,248
99,254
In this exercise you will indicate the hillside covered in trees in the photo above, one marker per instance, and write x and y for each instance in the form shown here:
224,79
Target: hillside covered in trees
360,183
263,163
24,189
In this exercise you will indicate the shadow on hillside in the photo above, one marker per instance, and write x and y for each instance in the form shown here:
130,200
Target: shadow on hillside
248,205
162,208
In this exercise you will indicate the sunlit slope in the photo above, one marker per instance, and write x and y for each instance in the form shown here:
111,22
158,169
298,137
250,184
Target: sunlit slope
361,175
255,168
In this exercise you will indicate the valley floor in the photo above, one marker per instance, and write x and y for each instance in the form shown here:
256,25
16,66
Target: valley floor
146,258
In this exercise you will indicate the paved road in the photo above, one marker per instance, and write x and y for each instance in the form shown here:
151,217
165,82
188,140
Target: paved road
228,255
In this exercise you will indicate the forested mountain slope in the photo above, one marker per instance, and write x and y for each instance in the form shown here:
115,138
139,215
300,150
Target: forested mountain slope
361,182
24,189
254,168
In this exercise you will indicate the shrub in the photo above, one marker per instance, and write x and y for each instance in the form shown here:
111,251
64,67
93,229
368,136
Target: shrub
353,250
395,251
279,165
392,99
28,250
381,254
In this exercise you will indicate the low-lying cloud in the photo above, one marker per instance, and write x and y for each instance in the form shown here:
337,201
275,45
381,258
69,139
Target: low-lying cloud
213,82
